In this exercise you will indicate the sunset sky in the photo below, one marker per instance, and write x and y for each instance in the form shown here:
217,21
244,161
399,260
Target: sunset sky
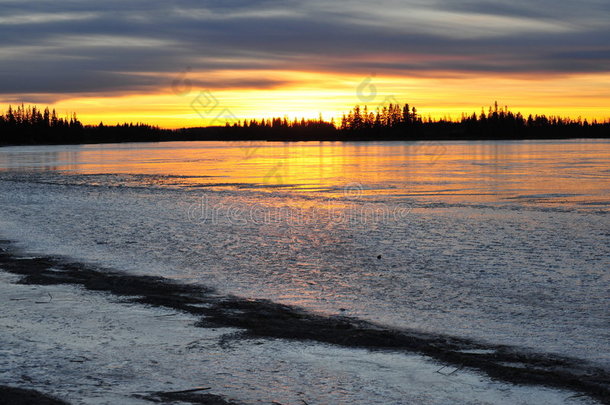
193,63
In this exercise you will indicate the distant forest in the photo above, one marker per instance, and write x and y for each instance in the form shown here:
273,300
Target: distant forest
31,125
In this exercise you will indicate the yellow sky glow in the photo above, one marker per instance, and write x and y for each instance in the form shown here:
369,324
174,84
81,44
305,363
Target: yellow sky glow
305,94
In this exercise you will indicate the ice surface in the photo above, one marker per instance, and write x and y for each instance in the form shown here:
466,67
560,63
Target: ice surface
89,349
508,243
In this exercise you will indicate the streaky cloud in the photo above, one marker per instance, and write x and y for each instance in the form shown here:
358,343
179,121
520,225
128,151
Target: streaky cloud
71,46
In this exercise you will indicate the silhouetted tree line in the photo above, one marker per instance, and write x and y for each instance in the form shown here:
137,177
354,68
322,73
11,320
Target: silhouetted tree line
279,129
391,117
392,122
501,123
31,125
403,122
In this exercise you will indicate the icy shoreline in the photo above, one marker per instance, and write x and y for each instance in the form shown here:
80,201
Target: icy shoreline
42,322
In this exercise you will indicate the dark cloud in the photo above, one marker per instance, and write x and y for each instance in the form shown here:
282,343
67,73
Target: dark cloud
68,46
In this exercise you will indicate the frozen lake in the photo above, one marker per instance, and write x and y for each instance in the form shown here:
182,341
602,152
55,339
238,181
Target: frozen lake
503,242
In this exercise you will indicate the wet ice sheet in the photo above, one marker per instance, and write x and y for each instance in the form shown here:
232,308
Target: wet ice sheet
533,278
89,349
504,242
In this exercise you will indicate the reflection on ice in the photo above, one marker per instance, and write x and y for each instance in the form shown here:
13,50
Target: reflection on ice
506,242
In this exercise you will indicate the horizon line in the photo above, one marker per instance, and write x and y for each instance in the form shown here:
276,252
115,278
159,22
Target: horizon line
426,117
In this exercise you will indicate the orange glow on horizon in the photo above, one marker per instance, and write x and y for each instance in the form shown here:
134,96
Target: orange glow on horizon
306,94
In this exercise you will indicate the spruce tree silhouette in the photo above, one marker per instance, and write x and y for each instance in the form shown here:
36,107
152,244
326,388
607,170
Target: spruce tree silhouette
30,125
